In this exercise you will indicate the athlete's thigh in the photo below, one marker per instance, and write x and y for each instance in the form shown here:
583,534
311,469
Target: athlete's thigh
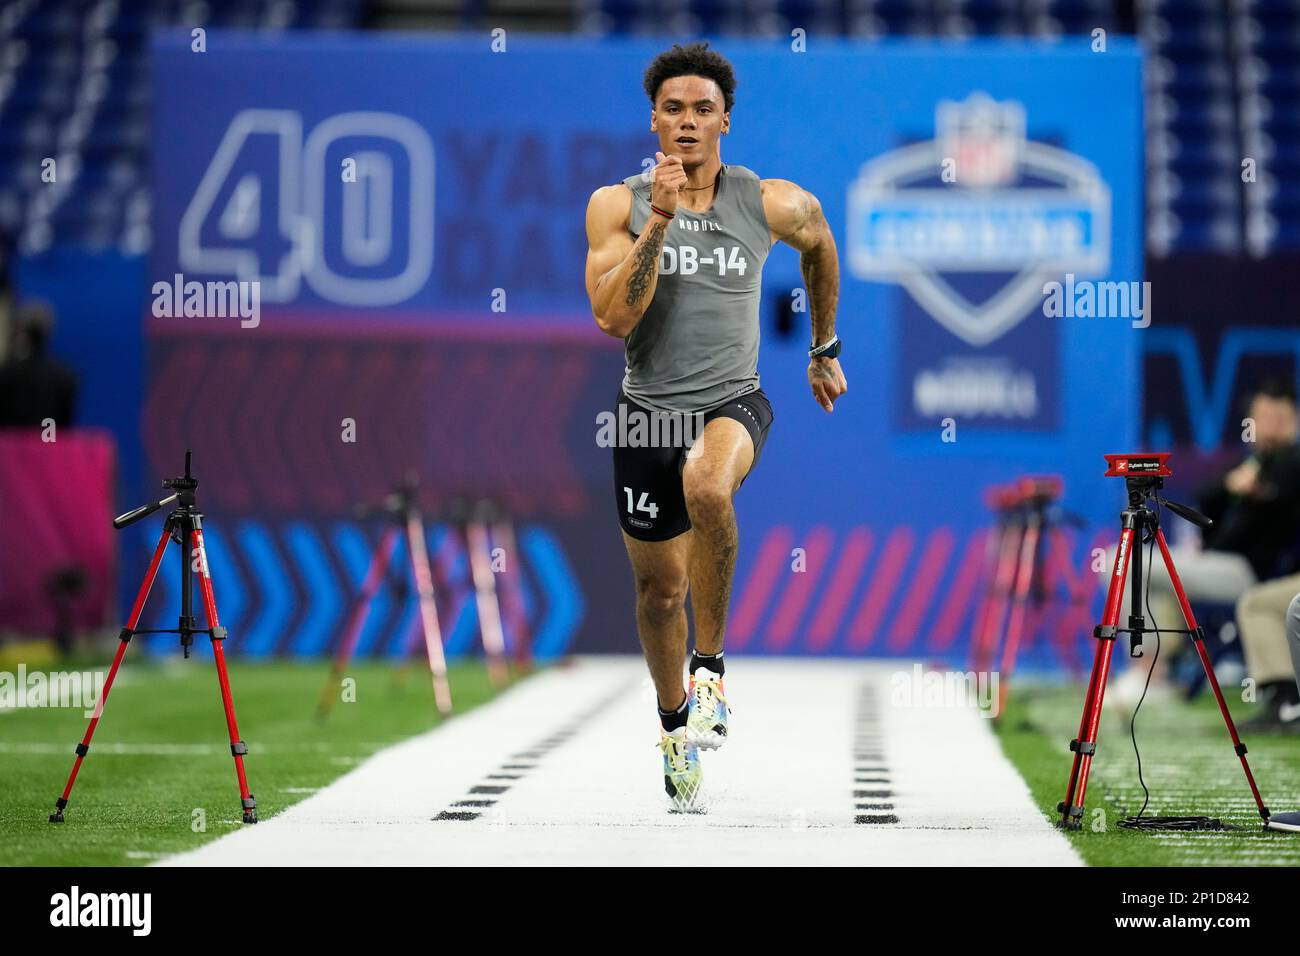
720,457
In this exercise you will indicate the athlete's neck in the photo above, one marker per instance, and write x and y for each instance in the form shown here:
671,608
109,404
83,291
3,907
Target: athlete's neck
701,183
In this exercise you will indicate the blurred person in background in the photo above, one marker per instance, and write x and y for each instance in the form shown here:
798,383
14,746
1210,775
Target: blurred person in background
34,386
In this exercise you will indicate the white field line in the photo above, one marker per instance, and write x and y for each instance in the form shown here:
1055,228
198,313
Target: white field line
573,776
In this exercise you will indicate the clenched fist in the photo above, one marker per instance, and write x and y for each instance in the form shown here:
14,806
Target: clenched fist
667,177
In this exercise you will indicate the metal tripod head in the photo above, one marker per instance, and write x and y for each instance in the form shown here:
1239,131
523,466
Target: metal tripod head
183,496
181,525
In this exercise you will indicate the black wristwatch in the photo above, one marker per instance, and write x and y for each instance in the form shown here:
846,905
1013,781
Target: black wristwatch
829,349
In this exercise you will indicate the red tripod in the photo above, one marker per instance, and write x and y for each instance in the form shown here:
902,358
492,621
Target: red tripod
1001,554
1144,475
1028,528
184,526
402,507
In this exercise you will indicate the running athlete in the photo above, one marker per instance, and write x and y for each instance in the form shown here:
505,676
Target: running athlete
674,268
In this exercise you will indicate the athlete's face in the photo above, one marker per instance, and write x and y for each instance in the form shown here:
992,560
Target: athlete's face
689,108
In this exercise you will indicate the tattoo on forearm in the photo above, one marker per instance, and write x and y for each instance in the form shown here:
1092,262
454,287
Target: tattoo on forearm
645,264
821,278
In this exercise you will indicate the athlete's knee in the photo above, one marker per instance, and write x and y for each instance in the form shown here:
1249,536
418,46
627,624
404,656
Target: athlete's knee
662,596
708,496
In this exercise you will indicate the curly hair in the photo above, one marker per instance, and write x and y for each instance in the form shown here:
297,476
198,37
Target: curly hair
695,59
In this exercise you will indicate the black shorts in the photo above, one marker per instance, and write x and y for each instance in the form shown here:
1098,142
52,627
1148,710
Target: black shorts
648,472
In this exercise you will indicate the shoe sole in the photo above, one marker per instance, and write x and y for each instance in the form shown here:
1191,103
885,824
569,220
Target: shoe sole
694,809
706,740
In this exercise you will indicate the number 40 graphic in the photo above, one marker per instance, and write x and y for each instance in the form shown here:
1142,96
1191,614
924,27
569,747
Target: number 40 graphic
274,209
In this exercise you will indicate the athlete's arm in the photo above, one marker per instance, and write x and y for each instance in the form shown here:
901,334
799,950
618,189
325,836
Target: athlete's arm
621,274
795,218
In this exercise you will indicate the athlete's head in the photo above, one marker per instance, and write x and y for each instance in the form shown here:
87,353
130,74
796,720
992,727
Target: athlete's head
691,90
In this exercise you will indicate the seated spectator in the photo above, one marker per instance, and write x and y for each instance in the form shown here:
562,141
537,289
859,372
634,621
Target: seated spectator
1268,619
33,385
1256,506
1290,820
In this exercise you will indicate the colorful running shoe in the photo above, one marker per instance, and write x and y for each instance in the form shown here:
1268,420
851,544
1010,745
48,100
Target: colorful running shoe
683,775
706,719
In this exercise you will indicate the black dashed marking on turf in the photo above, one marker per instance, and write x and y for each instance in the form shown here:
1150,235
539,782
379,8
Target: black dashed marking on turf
517,770
875,818
870,765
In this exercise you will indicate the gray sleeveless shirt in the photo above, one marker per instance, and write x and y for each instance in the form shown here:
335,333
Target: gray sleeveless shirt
697,344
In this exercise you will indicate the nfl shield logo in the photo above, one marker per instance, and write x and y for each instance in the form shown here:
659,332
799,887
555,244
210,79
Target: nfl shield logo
1014,210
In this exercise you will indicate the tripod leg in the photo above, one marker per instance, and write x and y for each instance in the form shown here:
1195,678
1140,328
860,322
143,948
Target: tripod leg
1085,744
1019,606
1059,570
992,553
1198,640
428,611
504,532
237,747
1002,584
360,612
489,607
125,638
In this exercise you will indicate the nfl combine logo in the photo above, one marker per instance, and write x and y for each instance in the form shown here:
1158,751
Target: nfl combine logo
980,199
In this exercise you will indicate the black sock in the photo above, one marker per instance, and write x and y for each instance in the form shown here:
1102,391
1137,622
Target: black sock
712,661
672,719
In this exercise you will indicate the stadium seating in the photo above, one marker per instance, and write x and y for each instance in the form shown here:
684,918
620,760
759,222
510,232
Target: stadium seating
74,89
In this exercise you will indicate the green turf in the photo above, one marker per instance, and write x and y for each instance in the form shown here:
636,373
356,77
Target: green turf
130,807
1189,767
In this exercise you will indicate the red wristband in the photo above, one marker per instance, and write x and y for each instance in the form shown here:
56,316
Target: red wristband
663,212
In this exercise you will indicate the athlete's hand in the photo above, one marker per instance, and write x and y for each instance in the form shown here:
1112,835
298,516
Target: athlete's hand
667,177
827,381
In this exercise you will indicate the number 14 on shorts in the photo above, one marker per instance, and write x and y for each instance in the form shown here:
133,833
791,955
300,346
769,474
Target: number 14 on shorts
644,505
